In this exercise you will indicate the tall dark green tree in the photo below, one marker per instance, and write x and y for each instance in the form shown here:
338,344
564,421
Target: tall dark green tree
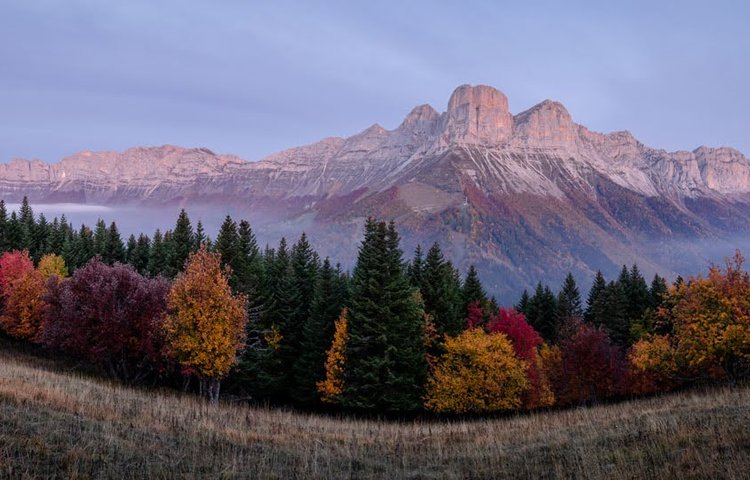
542,312
523,303
157,260
182,244
228,245
472,290
27,225
615,318
657,291
4,242
15,232
416,268
638,294
130,247
386,366
594,313
441,296
101,235
569,301
114,250
200,236
139,258
248,266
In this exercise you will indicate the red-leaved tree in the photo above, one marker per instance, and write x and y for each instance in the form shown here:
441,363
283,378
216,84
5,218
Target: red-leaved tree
13,266
474,315
110,316
526,342
592,367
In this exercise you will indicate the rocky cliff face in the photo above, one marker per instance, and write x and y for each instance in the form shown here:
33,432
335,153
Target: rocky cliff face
528,196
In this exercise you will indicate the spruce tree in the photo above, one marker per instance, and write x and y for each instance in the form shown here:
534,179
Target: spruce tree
182,244
27,225
638,294
523,303
15,233
200,236
130,247
416,267
140,255
657,291
440,294
317,333
248,265
569,301
4,243
114,250
593,313
542,312
228,245
157,260
101,236
472,291
614,307
40,238
386,364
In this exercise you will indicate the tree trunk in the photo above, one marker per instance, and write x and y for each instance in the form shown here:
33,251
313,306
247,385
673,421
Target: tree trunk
214,385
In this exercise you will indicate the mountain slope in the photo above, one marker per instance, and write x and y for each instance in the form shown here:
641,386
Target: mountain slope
527,196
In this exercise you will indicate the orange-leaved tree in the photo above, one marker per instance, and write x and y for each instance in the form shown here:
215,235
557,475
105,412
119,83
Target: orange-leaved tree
711,319
478,372
652,365
331,387
24,306
13,265
205,327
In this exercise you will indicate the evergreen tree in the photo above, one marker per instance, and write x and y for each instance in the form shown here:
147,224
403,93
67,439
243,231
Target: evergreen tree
523,303
248,265
386,364
200,236
40,238
638,294
317,333
101,235
228,245
614,305
569,301
15,232
27,225
657,291
473,290
182,244
542,313
416,267
4,242
141,253
157,260
58,232
130,247
440,293
114,251
593,314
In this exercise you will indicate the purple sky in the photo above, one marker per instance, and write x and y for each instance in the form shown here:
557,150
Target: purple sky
252,78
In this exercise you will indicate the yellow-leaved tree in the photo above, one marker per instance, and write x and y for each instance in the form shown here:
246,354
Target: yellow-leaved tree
52,264
333,385
205,327
478,372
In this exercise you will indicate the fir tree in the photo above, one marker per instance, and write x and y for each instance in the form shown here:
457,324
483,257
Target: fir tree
523,303
416,267
657,292
593,314
441,296
4,243
200,236
248,264
473,290
614,305
569,301
386,364
542,313
114,251
157,260
140,256
27,225
182,244
40,238
100,238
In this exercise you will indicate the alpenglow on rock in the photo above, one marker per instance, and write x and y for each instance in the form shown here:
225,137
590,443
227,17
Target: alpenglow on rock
526,197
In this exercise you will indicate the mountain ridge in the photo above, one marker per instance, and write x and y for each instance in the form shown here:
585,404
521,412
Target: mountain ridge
529,195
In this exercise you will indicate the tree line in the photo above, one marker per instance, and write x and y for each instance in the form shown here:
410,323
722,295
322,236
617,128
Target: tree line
284,325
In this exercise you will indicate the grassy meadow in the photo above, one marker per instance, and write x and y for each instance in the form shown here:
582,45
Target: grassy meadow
60,424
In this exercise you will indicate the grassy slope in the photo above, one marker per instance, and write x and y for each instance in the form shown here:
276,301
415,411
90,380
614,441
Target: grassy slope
57,424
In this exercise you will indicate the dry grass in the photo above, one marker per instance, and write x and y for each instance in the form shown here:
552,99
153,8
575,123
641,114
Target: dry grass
55,424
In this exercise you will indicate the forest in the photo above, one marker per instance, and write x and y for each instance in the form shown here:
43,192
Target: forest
281,325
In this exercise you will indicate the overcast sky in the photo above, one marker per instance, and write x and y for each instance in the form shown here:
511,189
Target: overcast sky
252,78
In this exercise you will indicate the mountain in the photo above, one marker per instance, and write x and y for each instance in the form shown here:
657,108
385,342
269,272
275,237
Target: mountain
526,197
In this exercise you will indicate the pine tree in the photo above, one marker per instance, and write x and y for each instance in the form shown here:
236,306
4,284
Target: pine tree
139,258
593,314
200,236
386,364
317,333
303,270
58,232
523,303
473,290
4,243
182,244
228,245
439,293
569,301
657,291
114,250
542,313
100,238
15,233
130,247
614,306
638,294
40,238
416,267
27,224
157,260
248,265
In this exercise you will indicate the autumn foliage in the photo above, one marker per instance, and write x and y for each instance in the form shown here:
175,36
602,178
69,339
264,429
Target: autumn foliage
110,316
331,387
205,327
479,372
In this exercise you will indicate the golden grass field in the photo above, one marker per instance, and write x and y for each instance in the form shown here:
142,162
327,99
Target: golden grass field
57,424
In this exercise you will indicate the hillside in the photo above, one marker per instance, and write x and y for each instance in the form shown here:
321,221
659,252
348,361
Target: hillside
58,424
526,197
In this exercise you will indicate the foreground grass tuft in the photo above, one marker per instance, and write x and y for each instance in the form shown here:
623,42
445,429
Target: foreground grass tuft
55,424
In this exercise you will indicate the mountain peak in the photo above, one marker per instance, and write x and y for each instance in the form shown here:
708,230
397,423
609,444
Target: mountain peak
546,124
478,115
422,119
